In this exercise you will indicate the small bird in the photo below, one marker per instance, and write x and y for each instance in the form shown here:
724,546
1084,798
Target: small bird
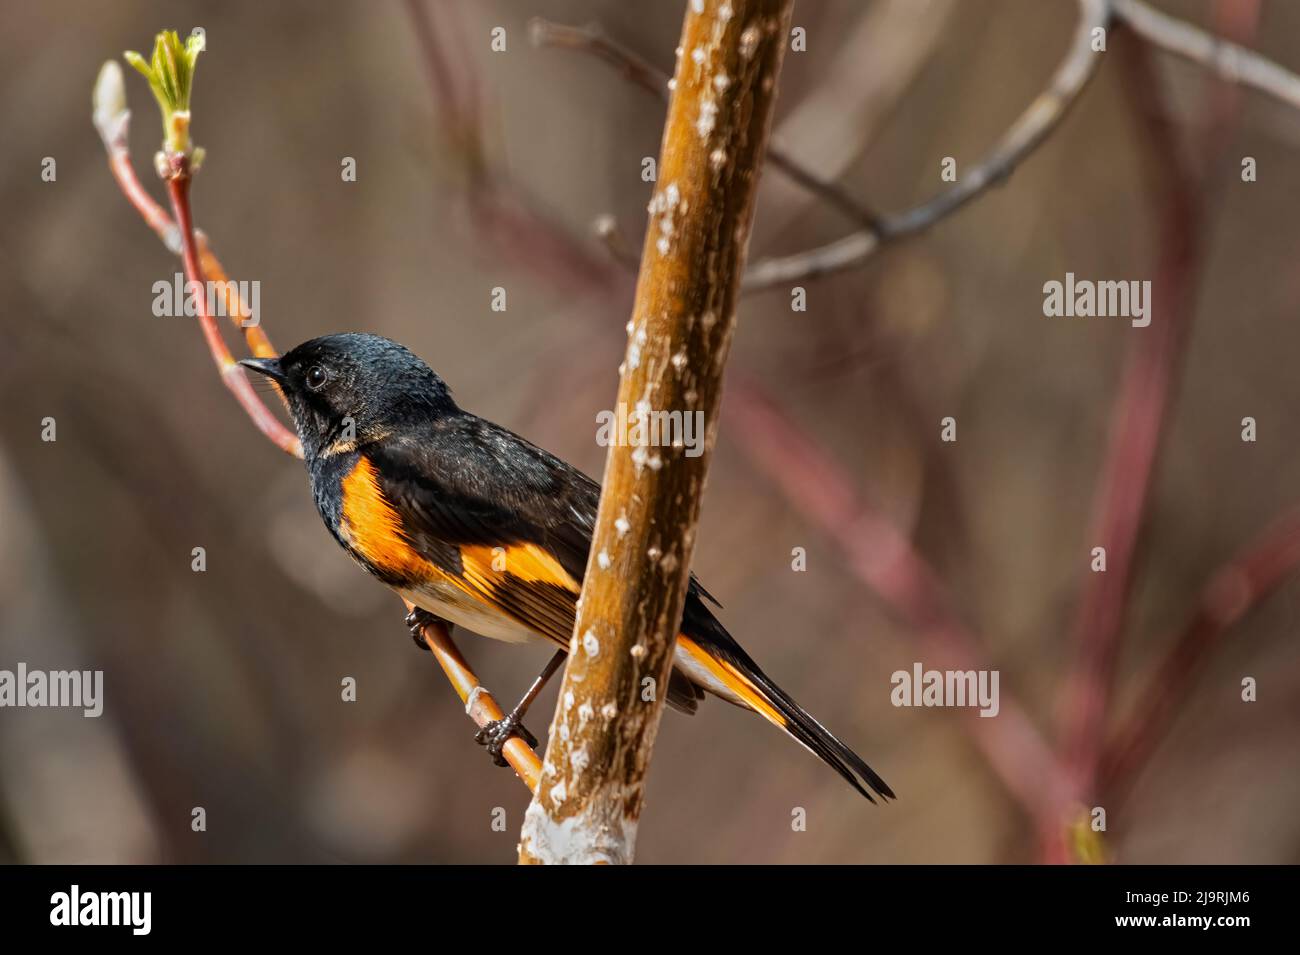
477,527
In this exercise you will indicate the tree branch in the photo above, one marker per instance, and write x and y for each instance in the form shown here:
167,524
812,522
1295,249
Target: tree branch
232,374
606,229
1140,411
1025,134
1232,62
593,40
887,563
480,705
589,801
112,120
1231,594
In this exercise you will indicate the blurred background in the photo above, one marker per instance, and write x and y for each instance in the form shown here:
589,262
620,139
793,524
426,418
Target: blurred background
478,169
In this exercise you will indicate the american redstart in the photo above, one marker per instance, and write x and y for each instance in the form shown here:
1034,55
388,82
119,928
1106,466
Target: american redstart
476,526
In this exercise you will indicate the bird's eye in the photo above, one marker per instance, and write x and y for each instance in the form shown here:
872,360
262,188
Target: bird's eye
316,377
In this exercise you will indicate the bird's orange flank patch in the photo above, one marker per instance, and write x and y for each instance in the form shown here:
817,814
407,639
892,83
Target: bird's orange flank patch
372,527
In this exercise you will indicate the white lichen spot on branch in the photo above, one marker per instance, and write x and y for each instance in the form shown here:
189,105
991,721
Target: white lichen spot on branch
708,118
663,208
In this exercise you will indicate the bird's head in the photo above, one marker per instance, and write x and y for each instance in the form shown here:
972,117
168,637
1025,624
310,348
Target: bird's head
347,390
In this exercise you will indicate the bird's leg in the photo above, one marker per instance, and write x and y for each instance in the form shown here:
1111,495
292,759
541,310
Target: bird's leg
495,734
417,620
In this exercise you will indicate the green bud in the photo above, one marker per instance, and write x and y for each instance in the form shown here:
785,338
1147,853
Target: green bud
170,73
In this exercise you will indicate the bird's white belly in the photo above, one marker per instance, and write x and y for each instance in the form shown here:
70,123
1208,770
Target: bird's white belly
455,606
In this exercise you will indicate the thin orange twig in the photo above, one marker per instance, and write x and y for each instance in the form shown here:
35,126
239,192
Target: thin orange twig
480,705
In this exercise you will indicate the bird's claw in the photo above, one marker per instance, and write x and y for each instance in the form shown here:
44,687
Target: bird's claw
416,621
495,734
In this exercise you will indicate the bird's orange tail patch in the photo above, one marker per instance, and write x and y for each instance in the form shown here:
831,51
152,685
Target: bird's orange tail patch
731,678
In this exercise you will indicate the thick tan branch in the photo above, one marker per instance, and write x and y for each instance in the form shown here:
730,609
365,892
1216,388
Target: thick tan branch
589,800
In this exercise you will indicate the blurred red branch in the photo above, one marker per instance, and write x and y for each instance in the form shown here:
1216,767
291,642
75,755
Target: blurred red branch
499,209
156,217
179,237
232,374
1142,405
460,107
1232,593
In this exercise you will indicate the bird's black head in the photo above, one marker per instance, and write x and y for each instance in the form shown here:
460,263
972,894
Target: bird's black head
347,390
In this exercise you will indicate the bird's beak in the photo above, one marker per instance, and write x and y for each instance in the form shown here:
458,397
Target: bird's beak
270,367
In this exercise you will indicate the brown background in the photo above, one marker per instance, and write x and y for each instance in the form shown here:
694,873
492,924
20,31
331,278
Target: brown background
223,687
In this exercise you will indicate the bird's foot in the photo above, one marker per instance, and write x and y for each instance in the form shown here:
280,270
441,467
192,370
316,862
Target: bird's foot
416,621
495,734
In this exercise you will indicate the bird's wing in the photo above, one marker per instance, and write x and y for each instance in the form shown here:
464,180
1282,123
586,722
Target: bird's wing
506,522
509,524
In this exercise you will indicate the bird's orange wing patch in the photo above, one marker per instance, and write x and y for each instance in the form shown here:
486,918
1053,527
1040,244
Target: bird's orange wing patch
527,562
521,580
527,582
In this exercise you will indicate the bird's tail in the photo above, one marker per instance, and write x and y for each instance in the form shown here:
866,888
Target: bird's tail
728,672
